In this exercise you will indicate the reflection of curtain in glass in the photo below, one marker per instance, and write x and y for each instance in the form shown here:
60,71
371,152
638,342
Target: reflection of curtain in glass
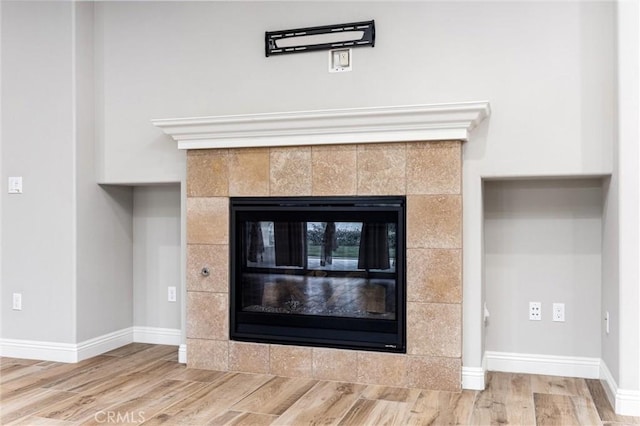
374,247
256,244
289,243
329,244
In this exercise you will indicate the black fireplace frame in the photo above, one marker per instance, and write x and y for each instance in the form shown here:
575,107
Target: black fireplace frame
335,332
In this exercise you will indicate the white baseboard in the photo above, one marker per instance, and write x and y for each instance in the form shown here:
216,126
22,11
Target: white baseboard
65,352
157,336
550,365
473,378
33,349
182,354
70,352
104,343
625,402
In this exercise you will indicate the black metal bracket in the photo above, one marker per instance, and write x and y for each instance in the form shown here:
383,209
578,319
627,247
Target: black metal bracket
327,37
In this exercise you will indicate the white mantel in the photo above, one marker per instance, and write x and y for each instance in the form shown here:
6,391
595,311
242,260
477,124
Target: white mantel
453,121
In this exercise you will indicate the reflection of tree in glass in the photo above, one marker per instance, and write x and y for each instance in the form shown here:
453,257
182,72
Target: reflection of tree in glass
315,230
348,236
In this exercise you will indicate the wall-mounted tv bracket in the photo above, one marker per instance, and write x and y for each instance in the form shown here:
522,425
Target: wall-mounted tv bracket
327,37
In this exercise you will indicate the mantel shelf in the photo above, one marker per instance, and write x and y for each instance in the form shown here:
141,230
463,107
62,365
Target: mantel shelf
452,121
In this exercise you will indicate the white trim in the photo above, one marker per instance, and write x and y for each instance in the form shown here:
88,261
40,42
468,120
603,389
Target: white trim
550,365
182,354
33,349
625,401
69,352
65,352
628,402
451,121
473,378
611,386
104,343
157,336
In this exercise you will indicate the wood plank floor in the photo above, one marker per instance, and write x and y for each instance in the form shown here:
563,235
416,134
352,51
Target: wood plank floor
144,384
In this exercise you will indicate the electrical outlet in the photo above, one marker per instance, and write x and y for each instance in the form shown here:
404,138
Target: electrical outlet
17,301
558,312
606,321
535,311
171,294
340,60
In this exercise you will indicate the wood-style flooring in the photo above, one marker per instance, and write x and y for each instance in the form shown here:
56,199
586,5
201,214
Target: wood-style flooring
144,384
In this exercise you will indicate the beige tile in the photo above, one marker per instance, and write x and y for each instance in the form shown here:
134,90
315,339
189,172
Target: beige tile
208,220
249,172
208,354
382,369
442,408
376,412
434,221
434,329
207,315
434,373
434,275
325,404
290,171
391,393
290,361
248,357
506,399
434,167
237,418
207,173
334,170
335,364
551,410
275,396
555,385
213,257
382,169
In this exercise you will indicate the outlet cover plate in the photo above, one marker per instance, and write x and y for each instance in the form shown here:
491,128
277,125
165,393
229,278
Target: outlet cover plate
340,60
535,311
558,312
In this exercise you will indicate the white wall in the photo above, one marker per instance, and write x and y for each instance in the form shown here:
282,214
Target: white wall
104,213
610,274
628,174
66,242
38,227
547,69
543,244
621,229
156,256
549,87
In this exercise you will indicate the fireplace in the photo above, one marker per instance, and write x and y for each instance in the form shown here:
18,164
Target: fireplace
412,152
318,271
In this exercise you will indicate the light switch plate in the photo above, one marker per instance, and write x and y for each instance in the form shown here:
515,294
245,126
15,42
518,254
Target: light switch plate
15,184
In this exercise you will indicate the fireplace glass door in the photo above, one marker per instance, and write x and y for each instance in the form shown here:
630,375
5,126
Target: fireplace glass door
318,271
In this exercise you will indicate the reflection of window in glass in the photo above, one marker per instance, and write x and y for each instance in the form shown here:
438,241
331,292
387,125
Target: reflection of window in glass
333,245
260,244
339,246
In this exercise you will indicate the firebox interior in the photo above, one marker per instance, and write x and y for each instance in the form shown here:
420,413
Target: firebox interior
319,271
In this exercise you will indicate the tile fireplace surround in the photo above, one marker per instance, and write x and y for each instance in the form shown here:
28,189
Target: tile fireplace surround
418,153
